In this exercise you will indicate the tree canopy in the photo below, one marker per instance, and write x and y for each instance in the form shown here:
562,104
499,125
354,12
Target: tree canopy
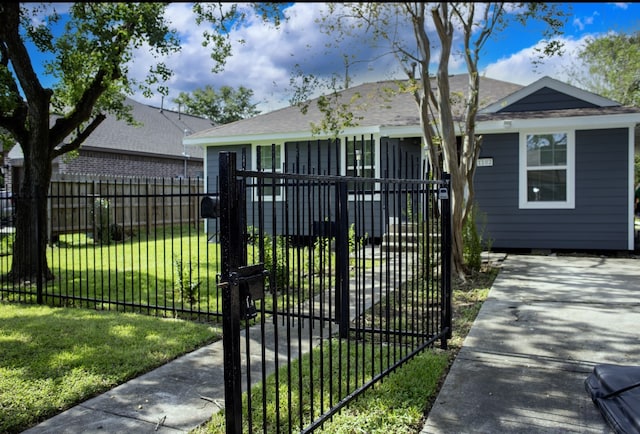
221,107
89,61
610,66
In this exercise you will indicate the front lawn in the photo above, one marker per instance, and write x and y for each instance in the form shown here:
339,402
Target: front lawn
54,358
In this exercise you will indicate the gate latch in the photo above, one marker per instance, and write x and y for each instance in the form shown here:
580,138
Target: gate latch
250,280
250,310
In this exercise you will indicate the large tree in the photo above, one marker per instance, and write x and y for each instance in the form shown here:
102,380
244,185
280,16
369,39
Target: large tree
610,66
220,107
90,62
444,116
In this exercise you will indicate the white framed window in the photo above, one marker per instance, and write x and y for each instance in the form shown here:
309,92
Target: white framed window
547,170
268,158
361,161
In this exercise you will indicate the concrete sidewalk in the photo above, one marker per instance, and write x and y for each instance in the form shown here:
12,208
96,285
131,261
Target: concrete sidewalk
547,322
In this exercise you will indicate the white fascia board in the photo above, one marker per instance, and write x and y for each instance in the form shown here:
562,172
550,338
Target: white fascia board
359,131
274,137
405,131
242,140
578,122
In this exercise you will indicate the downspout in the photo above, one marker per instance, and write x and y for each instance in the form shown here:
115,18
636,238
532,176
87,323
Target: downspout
632,188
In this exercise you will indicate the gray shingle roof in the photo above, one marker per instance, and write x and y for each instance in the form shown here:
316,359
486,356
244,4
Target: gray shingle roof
375,106
379,106
161,132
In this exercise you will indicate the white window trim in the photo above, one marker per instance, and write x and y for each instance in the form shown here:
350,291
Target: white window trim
524,203
376,168
254,158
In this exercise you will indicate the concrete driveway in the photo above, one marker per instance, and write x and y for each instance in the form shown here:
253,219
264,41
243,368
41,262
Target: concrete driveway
547,322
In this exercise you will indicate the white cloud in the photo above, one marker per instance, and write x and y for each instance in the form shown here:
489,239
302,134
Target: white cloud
266,60
519,67
581,23
263,63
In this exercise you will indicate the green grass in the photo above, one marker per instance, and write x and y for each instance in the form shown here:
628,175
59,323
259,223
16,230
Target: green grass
468,297
168,268
54,358
141,269
398,404
394,405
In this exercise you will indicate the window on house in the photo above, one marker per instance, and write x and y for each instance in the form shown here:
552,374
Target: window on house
361,163
546,175
270,160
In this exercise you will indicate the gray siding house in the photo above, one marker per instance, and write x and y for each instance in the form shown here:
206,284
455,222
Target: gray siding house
555,171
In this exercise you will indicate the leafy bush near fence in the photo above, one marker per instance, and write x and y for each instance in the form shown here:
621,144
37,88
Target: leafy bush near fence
186,283
100,214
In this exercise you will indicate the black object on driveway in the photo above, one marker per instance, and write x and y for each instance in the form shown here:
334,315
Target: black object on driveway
615,390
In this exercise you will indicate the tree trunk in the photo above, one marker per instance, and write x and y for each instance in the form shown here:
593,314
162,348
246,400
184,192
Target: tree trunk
29,249
457,222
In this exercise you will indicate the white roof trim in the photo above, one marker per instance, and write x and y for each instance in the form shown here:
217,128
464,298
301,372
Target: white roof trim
552,84
274,137
404,131
578,122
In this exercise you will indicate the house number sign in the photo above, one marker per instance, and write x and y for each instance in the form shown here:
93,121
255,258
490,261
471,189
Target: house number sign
485,162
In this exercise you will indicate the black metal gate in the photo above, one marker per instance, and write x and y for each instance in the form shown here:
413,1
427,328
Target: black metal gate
329,284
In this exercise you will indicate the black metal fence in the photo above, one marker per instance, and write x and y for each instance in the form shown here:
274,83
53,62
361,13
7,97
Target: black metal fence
136,245
324,282
311,322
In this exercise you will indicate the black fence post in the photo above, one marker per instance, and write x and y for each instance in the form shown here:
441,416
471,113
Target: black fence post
342,259
444,194
232,257
41,251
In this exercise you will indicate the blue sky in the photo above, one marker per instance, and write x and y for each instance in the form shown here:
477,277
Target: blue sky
264,63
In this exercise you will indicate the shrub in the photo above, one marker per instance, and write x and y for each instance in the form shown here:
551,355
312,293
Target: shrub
474,240
274,259
6,244
185,285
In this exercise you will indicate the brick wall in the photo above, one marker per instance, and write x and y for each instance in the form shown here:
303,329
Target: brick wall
105,163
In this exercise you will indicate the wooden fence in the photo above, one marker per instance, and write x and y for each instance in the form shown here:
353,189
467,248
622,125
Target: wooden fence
82,205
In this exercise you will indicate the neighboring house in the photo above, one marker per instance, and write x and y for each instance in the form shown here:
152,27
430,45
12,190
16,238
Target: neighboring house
153,149
555,171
